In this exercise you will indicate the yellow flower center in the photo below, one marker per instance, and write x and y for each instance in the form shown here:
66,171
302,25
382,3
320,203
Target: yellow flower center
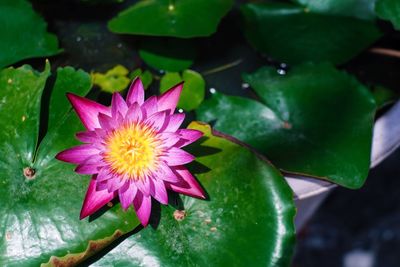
132,150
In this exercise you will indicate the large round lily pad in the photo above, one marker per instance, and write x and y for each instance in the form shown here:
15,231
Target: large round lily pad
23,33
314,120
294,34
39,212
175,18
247,220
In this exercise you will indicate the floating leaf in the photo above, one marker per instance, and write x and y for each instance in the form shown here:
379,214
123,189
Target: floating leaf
40,210
145,76
175,18
193,91
114,80
248,220
23,33
389,10
316,121
293,34
363,9
167,54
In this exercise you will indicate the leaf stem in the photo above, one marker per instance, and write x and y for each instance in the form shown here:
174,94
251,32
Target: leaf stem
223,67
385,52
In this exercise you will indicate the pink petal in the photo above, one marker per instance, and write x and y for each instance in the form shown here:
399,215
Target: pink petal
115,183
174,122
77,154
126,197
168,139
150,106
143,185
92,165
135,93
142,205
189,185
87,110
170,98
118,105
87,137
104,175
188,136
165,173
158,191
156,121
176,156
94,200
134,113
106,122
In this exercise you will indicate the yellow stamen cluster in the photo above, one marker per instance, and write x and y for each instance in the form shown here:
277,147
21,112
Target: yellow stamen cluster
132,150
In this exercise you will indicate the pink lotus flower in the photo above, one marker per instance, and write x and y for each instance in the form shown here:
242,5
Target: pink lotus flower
133,150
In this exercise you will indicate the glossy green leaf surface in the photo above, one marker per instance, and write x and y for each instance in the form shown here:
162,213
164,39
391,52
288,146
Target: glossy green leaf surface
247,221
39,217
292,34
389,10
177,18
315,120
384,96
363,9
193,90
168,54
23,33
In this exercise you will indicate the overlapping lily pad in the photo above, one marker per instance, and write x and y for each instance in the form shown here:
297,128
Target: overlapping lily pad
389,10
39,214
315,120
294,34
247,221
175,18
23,33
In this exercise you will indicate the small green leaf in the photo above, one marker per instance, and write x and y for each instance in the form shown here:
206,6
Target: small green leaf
389,10
174,18
363,9
23,33
293,34
168,54
193,90
247,221
315,120
114,80
39,215
145,76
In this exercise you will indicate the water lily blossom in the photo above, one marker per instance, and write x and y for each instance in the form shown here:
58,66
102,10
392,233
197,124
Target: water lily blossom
133,150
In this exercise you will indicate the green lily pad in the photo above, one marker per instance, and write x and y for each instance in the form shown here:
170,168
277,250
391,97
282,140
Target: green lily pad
389,10
247,221
23,33
40,210
114,80
315,121
175,18
145,76
168,54
293,34
193,90
363,9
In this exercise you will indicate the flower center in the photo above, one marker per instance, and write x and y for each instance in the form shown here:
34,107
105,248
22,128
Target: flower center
132,150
